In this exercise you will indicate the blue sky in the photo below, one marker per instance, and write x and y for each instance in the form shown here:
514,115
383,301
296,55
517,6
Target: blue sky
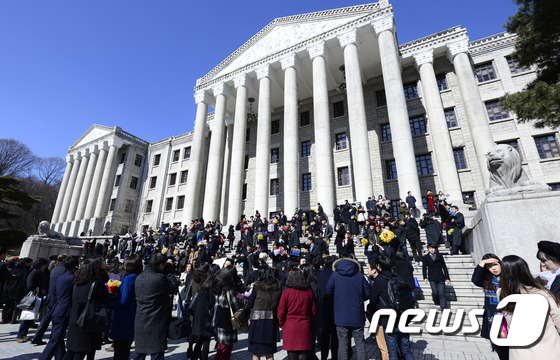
67,64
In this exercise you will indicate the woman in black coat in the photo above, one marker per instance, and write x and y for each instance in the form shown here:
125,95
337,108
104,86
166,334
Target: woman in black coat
82,343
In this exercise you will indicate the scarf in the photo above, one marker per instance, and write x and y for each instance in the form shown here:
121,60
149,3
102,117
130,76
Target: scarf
549,277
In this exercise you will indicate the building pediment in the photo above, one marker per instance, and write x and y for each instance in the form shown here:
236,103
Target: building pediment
286,33
94,133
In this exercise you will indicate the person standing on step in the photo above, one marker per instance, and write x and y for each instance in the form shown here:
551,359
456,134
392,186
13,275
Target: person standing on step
436,274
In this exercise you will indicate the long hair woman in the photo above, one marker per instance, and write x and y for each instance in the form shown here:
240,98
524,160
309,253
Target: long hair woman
517,279
487,276
263,305
81,343
296,311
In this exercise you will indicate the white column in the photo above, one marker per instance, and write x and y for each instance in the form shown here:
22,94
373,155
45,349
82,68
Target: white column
238,150
322,129
262,170
359,142
196,161
70,189
106,182
477,116
86,187
290,66
62,191
227,169
216,156
96,183
443,149
403,147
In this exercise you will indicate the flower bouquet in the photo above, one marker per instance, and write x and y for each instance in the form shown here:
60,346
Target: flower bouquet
386,236
450,231
364,241
113,286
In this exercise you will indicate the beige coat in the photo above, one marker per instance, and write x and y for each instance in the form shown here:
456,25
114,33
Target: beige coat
548,347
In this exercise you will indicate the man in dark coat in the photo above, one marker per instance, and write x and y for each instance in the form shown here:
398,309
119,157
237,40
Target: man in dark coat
413,236
549,255
327,336
60,312
58,270
458,221
294,238
411,203
153,289
436,274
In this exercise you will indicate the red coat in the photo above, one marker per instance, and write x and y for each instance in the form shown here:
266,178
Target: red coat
295,314
431,204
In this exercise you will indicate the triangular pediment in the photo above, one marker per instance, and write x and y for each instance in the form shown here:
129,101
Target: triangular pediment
94,133
285,33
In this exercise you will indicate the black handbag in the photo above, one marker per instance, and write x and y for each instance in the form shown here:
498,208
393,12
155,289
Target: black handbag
27,301
180,328
94,316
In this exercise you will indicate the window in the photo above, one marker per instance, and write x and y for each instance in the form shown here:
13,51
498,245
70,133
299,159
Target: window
554,186
187,153
338,109
153,181
275,155
244,192
138,160
123,158
380,98
460,160
417,125
274,187
306,149
246,162
469,199
168,204
172,179
129,206
247,135
112,205
391,169
176,155
341,143
304,118
117,181
149,205
306,182
514,67
133,182
451,118
184,176
514,144
386,132
157,159
484,72
274,127
410,91
424,164
180,202
495,110
395,208
343,176
547,146
441,82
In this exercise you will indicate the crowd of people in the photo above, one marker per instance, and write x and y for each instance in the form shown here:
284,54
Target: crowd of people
290,286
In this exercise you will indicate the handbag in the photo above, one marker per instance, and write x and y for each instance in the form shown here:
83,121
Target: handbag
93,315
179,328
32,312
27,301
238,321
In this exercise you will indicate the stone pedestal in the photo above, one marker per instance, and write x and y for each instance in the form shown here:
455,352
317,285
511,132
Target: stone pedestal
513,225
41,246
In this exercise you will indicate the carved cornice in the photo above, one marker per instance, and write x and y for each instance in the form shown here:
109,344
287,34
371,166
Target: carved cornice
383,23
433,41
491,43
457,47
319,49
290,60
350,37
202,96
424,57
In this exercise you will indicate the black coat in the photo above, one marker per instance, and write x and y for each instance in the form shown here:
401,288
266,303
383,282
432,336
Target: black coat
433,232
555,288
63,295
55,273
412,230
404,271
353,226
434,270
18,288
153,311
458,225
202,308
490,300
79,340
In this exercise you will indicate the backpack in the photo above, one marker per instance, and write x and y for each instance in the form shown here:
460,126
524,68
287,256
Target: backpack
400,295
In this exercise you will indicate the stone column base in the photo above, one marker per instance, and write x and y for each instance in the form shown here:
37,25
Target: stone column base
40,246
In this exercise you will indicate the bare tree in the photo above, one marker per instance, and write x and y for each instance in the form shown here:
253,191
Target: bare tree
16,159
50,170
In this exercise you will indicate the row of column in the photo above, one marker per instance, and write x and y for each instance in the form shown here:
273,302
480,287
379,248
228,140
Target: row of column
85,188
403,147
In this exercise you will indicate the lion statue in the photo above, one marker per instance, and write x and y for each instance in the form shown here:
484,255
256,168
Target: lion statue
44,229
506,172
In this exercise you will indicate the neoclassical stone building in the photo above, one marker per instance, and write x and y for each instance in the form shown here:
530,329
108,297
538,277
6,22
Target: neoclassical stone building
319,107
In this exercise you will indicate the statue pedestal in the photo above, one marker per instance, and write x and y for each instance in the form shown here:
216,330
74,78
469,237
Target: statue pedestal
41,246
513,225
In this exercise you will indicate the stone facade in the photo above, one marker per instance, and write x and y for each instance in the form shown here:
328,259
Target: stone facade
439,76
